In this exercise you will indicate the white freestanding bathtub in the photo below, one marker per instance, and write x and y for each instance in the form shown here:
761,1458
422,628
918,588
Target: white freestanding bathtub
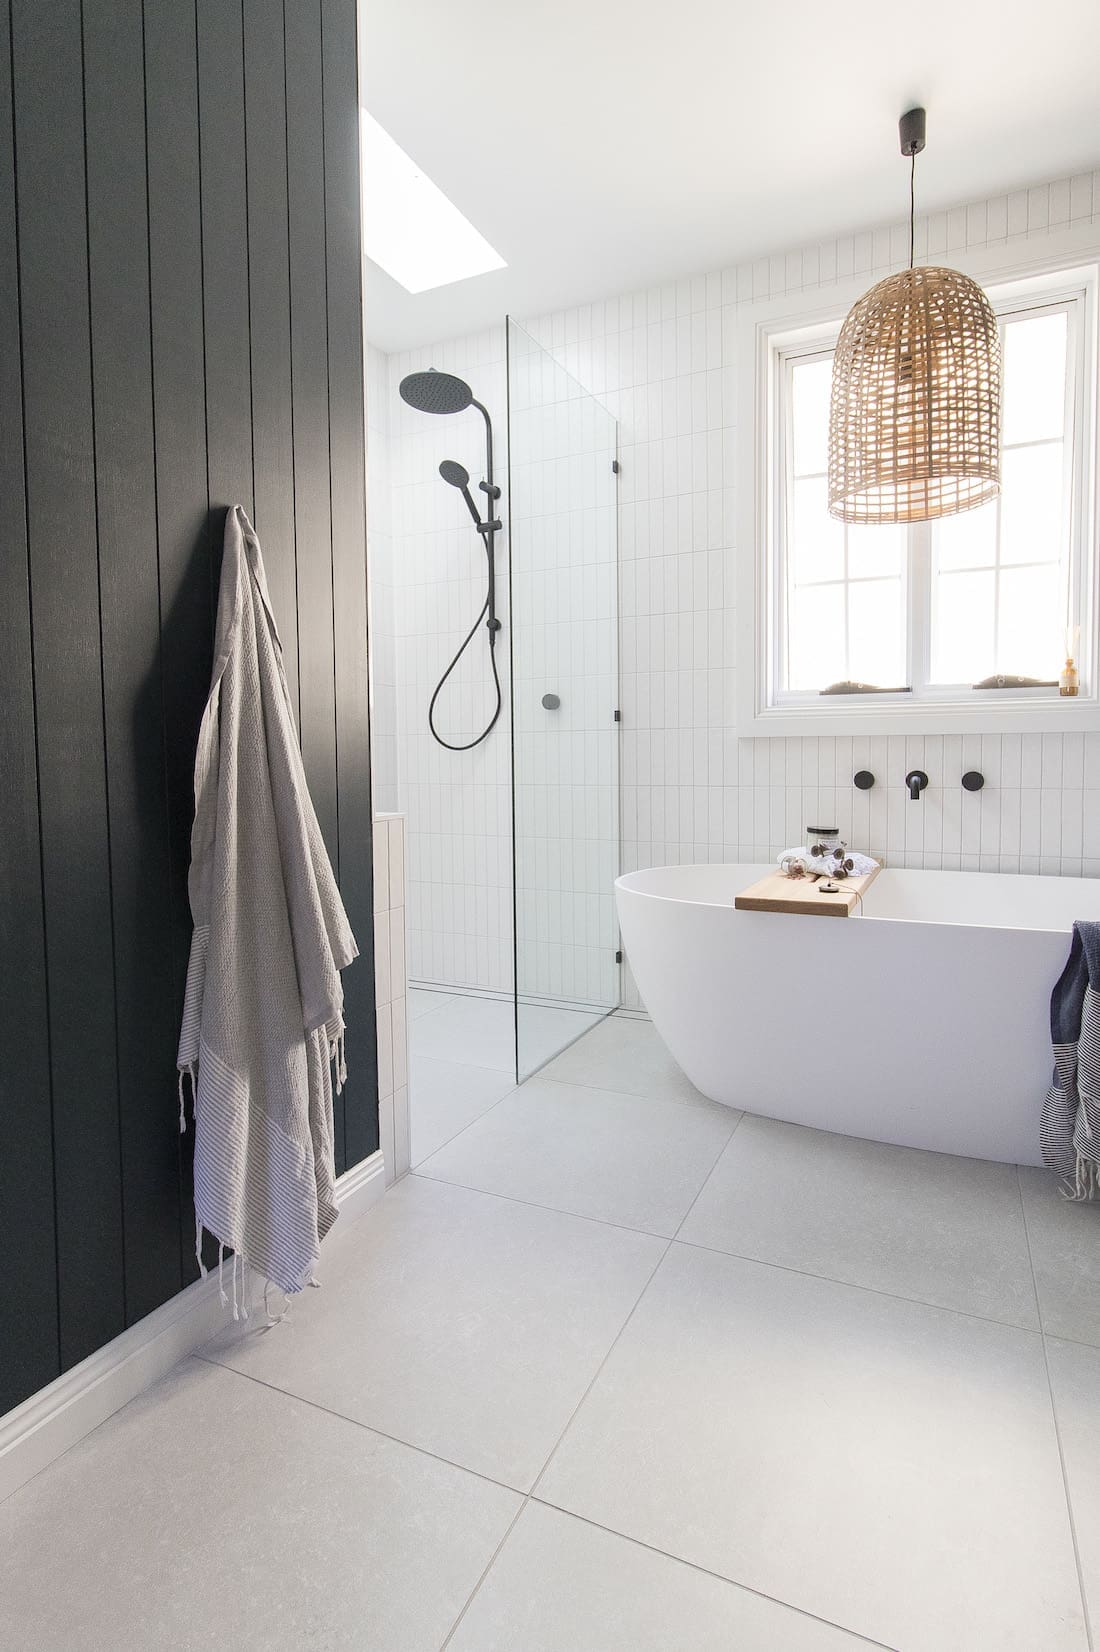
924,1021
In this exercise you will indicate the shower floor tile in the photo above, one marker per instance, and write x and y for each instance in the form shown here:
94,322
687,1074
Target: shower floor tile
942,1230
446,1096
423,1000
481,1032
890,1467
555,1144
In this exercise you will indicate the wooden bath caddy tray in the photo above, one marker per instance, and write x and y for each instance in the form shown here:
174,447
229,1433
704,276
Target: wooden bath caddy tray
778,893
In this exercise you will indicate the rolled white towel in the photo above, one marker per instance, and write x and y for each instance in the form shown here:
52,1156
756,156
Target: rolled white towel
824,864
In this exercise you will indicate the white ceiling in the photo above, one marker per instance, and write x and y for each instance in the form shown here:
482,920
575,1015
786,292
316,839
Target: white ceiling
606,145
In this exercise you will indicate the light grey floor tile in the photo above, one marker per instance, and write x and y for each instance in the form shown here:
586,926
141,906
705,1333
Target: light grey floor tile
446,1096
561,1585
213,1512
943,1230
458,1322
1065,1252
623,1054
423,1000
481,1031
598,1153
1075,1378
888,1466
545,1031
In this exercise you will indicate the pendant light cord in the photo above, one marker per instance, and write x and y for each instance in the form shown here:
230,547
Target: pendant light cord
912,201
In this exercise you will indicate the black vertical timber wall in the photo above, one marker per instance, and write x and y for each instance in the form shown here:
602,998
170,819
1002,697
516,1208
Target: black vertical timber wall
179,330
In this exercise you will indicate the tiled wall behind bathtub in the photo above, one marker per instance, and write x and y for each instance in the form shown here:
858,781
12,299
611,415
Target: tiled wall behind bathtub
665,363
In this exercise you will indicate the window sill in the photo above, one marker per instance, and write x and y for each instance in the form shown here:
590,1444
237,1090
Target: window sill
1018,716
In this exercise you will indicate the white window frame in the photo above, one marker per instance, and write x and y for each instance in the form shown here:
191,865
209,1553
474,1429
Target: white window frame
1044,269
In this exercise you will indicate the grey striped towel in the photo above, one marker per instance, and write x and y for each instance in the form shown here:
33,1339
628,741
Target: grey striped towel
1070,1130
263,1013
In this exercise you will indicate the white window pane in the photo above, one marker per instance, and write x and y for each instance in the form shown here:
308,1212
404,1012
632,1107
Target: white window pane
966,540
1031,504
1031,622
876,642
815,653
873,551
816,538
1034,378
811,382
962,628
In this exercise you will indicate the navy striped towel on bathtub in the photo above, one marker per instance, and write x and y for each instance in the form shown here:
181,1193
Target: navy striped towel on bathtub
1070,1129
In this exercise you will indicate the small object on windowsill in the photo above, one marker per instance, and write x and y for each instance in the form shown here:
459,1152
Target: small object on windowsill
1001,679
1068,682
863,688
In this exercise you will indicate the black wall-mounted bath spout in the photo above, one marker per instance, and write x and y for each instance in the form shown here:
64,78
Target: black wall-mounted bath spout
916,780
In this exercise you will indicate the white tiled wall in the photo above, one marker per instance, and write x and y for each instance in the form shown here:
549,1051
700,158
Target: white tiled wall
457,804
664,362
391,992
562,520
380,564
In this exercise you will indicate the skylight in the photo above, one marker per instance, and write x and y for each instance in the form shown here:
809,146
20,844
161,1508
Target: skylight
410,228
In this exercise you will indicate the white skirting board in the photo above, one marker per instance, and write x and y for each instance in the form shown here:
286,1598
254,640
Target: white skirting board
49,1422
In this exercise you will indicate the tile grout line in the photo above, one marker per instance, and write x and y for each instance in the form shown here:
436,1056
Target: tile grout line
355,1422
569,1423
706,1179
720,1577
1057,1428
414,1168
870,1290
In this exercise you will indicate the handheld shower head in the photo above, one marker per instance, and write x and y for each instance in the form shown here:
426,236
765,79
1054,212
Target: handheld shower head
434,392
459,477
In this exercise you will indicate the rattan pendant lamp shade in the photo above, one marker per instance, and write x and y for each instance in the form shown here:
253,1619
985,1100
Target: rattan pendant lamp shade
915,412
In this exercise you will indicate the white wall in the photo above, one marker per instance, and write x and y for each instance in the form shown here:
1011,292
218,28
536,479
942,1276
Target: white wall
664,362
562,522
384,772
457,805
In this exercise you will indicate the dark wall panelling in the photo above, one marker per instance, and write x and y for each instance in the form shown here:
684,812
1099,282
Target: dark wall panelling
180,330
345,365
72,787
179,422
309,367
269,290
28,1303
118,284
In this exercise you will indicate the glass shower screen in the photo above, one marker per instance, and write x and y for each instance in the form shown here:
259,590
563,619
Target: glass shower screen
562,469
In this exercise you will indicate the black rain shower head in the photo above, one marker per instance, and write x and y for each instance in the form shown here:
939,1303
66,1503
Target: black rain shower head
433,392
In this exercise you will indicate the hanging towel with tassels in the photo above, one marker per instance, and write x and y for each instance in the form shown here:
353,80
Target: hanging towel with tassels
263,1019
1070,1128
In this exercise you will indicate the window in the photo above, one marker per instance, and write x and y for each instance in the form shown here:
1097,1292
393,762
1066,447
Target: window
925,613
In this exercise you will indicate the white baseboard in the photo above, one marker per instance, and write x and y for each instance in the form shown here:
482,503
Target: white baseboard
49,1422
